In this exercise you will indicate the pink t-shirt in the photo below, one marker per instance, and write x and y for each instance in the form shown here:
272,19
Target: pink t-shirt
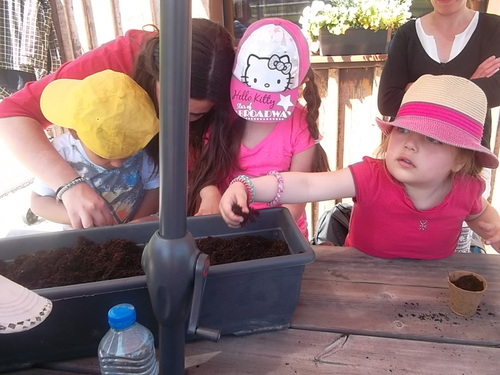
275,152
118,55
385,223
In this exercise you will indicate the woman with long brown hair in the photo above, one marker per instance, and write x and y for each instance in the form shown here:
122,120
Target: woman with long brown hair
137,54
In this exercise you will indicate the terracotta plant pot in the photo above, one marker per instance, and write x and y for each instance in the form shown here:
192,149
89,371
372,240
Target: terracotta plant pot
466,291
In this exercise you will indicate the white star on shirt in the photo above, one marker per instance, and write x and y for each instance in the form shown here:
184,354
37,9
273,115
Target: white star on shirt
285,102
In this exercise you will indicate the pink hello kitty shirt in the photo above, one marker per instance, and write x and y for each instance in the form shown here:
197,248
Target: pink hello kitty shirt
272,61
275,152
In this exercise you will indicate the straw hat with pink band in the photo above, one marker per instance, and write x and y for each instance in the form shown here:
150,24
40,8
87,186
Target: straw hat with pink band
449,109
20,308
271,62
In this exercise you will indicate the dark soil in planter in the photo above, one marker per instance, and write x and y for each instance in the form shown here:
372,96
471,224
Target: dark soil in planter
469,282
118,258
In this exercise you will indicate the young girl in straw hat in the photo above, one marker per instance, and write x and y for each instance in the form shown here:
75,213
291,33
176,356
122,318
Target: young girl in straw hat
410,202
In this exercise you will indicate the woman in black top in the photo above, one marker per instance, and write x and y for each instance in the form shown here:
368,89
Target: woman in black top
452,39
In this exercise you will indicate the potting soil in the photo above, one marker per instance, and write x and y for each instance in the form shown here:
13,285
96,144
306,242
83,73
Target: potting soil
118,258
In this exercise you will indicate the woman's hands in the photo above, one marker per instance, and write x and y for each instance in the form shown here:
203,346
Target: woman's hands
210,198
487,68
86,208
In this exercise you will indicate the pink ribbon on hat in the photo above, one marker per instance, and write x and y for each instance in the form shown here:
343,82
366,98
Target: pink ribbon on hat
442,113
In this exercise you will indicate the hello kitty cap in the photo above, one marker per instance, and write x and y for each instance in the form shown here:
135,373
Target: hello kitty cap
271,62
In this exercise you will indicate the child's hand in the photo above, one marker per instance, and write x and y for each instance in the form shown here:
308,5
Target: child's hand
491,234
235,194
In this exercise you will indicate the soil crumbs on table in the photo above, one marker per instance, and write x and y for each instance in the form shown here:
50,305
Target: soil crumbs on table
119,258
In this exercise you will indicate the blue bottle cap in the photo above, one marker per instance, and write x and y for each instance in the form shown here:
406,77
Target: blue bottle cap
121,316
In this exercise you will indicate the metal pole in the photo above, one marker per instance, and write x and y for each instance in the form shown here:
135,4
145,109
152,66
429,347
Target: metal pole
175,74
170,258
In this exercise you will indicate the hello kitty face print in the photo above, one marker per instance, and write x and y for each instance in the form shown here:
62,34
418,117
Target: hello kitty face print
271,63
271,74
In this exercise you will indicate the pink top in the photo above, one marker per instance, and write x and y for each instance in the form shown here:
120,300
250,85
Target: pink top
118,55
275,152
386,224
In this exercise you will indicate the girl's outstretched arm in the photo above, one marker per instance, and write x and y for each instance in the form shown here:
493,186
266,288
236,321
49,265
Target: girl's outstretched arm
298,187
301,162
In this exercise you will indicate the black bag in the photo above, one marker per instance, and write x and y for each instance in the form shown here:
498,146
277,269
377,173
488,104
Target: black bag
333,226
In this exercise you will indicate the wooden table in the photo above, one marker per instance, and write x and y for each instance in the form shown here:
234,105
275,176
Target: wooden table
360,315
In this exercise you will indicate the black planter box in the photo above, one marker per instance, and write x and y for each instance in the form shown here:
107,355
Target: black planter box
353,42
240,298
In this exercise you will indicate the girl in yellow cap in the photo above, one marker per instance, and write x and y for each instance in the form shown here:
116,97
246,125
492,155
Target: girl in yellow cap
110,120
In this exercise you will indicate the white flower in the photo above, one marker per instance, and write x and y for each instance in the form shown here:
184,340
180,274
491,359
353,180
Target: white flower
339,15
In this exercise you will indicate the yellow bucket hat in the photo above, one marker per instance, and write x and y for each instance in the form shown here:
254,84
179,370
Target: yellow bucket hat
113,116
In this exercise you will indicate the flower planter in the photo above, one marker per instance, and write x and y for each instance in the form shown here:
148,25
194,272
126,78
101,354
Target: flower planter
353,42
240,298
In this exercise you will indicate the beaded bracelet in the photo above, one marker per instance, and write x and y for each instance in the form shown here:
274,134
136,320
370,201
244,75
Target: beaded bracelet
64,188
281,185
245,180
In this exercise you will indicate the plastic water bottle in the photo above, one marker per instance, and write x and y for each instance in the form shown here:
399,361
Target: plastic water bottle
128,347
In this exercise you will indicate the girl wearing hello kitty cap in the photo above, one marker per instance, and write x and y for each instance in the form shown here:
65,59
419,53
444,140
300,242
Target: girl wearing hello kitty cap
275,131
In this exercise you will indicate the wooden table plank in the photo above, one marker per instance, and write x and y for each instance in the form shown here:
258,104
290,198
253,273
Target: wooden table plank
321,353
308,352
347,291
348,264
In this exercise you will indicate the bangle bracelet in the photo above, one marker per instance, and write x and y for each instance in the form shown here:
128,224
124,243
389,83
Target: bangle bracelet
245,180
64,188
281,185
